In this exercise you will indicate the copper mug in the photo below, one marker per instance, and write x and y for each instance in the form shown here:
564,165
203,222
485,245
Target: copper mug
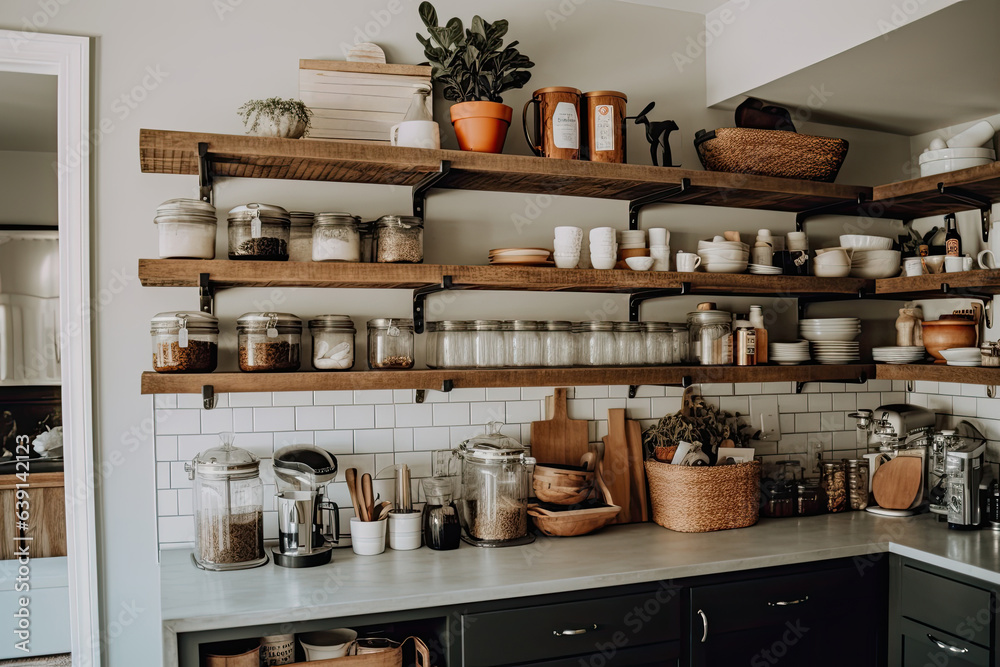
556,121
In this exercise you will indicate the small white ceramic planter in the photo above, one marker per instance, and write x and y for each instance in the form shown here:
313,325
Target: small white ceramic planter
285,127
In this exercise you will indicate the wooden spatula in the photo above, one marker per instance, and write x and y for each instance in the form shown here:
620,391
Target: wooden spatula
896,484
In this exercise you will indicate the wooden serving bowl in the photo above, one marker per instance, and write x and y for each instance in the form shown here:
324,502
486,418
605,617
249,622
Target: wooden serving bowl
944,334
572,523
560,495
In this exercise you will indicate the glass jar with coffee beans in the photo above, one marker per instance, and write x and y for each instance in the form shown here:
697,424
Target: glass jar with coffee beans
390,344
259,232
185,342
269,342
399,239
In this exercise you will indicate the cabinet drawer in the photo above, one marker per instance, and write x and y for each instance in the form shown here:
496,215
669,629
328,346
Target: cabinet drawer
923,645
546,632
956,608
654,655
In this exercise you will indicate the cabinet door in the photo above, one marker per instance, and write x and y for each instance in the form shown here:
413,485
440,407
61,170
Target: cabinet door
922,645
666,654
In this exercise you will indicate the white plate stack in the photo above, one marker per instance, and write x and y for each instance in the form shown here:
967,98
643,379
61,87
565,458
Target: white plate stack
899,355
721,256
833,339
789,354
764,270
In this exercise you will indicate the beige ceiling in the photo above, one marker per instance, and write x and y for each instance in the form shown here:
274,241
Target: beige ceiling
27,112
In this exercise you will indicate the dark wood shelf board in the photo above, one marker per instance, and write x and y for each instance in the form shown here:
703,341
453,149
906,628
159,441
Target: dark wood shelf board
919,197
978,282
228,273
939,373
222,382
238,156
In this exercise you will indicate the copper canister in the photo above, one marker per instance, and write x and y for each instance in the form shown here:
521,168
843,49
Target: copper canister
556,122
604,126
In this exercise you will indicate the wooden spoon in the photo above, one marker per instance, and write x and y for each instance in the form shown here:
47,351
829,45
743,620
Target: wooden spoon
369,497
351,477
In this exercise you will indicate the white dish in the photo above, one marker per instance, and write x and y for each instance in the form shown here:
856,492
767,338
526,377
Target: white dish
865,242
969,364
603,263
962,354
640,263
830,336
830,320
522,252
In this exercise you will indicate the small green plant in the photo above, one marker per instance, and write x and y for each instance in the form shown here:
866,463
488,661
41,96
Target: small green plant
274,108
472,64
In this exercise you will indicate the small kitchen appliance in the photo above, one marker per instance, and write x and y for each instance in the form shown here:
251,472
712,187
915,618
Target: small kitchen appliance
308,524
965,470
963,437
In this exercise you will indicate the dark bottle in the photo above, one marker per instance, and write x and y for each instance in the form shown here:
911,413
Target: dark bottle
953,240
442,530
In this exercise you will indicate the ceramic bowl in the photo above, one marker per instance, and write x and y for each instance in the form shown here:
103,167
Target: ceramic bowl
724,267
567,261
640,263
603,263
961,354
327,644
940,335
865,242
831,270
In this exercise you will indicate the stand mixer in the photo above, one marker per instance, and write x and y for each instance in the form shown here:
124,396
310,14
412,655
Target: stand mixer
308,524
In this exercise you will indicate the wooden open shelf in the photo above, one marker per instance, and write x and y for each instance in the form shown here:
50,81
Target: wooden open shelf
919,197
164,383
167,152
230,273
978,282
939,373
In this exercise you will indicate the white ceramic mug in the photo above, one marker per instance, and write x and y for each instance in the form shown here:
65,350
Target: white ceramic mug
987,264
954,264
415,134
968,263
658,236
913,266
762,255
661,257
687,262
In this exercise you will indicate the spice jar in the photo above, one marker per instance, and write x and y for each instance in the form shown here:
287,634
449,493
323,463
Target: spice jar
390,344
526,345
630,343
187,229
333,342
596,345
488,347
454,345
185,342
336,238
811,499
399,239
259,231
441,526
300,239
857,483
833,476
269,341
714,346
557,344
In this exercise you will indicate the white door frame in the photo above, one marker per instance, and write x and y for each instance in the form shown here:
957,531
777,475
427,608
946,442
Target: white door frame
68,58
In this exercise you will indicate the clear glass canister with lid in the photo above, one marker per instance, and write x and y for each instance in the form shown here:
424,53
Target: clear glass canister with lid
366,229
631,343
526,344
186,342
857,483
431,344
390,344
454,348
187,229
833,477
333,342
680,343
336,238
399,239
260,232
228,508
659,344
557,344
811,499
596,344
489,347
300,240
710,335
269,341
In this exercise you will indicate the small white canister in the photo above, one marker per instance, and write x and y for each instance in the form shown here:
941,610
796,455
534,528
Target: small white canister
277,650
187,229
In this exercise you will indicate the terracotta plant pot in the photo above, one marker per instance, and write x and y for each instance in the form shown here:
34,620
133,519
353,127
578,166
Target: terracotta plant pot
944,334
481,126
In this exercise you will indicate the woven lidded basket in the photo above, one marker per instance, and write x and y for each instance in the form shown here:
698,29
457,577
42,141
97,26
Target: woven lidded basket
700,499
743,150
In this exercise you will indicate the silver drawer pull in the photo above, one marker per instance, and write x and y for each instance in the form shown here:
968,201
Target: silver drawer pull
704,623
570,633
946,647
788,603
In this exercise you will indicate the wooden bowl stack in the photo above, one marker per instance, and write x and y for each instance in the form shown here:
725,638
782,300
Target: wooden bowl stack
562,484
567,486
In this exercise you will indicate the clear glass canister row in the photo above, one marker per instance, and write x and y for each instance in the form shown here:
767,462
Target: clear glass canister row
553,343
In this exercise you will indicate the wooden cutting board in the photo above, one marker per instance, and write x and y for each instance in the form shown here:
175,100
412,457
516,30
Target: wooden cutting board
616,464
637,472
559,439
896,484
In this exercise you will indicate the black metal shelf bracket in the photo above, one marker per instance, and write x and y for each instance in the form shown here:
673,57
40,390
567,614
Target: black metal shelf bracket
635,299
209,399
639,203
861,379
984,204
686,381
420,300
425,184
421,394
205,178
206,294
835,208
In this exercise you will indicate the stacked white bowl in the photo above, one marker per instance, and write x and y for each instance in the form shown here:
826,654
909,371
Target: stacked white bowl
659,248
567,244
789,354
963,356
632,239
899,355
722,256
873,256
833,339
832,262
603,248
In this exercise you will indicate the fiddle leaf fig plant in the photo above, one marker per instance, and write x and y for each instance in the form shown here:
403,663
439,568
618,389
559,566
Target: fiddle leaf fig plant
472,64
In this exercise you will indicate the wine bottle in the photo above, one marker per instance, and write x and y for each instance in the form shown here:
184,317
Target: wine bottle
953,240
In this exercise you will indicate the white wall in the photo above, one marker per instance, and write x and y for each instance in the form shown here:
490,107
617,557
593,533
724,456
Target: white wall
187,65
28,188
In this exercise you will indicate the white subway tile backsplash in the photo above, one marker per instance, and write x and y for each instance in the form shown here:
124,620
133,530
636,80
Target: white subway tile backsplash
178,476
520,412
431,438
354,417
786,422
660,407
793,403
599,391
177,422
579,408
402,396
250,399
869,400
242,420
503,394
949,388
189,401
314,418
286,438
977,390
166,502
260,443
419,462
924,387
415,414
292,398
163,474
637,408
820,402
176,529
649,391
402,439
847,401
747,389
777,387
273,419
166,448
185,501
484,413
336,442
602,405
218,420
373,441
189,446
618,391
806,421
385,416
451,414
879,385
714,389
333,398
467,395
372,396
734,404
939,403
165,401
964,406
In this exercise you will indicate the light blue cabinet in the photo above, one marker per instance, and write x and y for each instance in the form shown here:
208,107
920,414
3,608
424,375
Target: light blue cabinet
48,607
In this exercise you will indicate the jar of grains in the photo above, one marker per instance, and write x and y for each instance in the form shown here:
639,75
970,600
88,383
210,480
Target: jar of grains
399,239
390,344
833,476
185,342
260,232
333,342
269,341
300,240
659,344
336,238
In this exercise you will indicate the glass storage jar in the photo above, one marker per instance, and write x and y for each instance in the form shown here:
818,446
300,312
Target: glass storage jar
228,507
631,344
718,340
857,483
259,231
526,344
336,238
186,342
269,341
333,342
596,345
300,239
833,476
811,499
399,239
659,344
187,229
778,498
507,331
489,348
557,344
680,348
454,347
366,230
390,344
431,344
441,526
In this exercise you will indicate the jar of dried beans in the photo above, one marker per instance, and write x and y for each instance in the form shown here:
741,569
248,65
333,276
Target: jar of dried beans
269,341
833,476
399,239
185,342
390,344
260,232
